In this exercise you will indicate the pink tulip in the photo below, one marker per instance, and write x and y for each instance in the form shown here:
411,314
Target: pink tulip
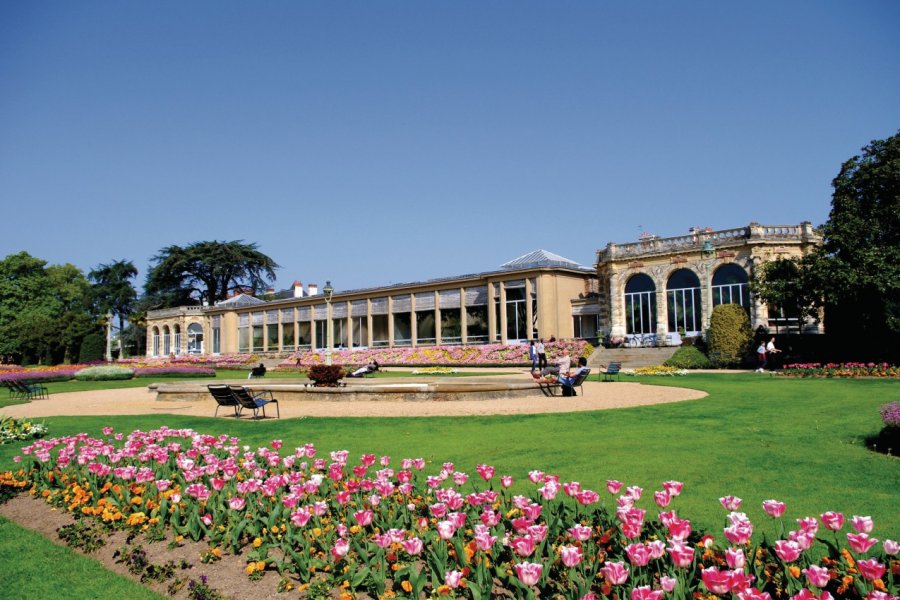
634,491
752,593
861,542
871,569
570,555
445,529
582,533
809,525
486,471
506,481
735,558
773,508
645,592
833,520
673,487
730,502
891,547
738,534
667,583
572,488
587,497
876,595
616,573
862,524
788,551
363,517
236,503
300,518
523,546
485,541
657,549
817,576
716,581
613,486
662,499
638,554
679,529
529,573
340,549
536,476
740,581
452,579
412,546
682,555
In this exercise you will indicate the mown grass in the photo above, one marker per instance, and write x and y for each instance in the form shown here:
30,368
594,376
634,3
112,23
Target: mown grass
754,436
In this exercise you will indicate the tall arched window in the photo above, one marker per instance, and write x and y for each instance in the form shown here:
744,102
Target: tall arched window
195,338
640,305
167,345
683,299
729,286
155,334
176,329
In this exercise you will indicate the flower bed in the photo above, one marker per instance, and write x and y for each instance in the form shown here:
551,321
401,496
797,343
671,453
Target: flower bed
18,430
391,527
218,361
656,370
840,370
139,369
482,355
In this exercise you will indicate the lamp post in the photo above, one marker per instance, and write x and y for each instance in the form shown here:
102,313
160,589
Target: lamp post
329,334
109,320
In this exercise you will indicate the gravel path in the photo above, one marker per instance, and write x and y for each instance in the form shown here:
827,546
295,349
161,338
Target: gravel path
140,401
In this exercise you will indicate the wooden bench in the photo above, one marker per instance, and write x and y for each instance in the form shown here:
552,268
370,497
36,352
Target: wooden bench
612,369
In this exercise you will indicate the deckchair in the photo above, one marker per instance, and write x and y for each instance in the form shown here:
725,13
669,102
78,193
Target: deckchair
550,388
255,402
224,397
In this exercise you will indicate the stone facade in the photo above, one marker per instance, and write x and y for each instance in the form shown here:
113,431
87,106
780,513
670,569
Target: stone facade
700,254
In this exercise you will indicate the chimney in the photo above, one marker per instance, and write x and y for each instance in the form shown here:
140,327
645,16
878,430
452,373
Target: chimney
313,289
298,289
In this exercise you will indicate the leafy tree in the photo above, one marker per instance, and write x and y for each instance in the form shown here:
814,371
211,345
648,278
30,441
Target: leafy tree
113,292
207,272
792,285
44,311
859,264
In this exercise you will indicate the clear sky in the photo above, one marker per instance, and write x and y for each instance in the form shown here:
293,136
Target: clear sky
370,143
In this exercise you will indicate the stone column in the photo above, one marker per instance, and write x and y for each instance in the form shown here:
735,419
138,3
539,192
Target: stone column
529,312
503,339
616,305
413,322
463,317
492,312
437,318
390,309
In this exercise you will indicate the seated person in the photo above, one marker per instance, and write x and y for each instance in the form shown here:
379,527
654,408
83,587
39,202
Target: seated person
562,366
569,380
259,371
363,371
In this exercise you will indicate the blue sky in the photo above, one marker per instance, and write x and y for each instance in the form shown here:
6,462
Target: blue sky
370,143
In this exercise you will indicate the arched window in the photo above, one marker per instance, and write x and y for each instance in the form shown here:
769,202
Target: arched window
729,286
640,305
167,346
177,343
195,339
683,299
154,333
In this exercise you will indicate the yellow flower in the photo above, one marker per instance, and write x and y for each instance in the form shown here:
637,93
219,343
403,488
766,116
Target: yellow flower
257,542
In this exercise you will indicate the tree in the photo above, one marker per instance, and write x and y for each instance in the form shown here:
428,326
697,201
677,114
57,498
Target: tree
207,272
791,285
44,310
859,263
113,292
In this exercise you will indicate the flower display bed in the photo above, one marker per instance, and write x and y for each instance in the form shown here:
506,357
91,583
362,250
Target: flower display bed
298,518
841,370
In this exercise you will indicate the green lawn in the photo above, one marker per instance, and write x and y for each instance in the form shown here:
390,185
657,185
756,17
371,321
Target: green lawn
754,436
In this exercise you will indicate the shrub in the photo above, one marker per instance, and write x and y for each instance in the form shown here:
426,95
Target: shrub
104,374
729,336
325,375
888,439
93,348
688,357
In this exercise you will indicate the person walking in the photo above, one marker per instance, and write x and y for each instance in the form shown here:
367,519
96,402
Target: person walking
761,356
541,353
771,350
532,354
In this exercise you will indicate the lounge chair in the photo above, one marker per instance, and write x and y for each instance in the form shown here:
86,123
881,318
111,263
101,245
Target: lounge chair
255,402
224,397
27,391
550,388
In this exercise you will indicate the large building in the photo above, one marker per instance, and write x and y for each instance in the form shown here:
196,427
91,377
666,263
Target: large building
647,290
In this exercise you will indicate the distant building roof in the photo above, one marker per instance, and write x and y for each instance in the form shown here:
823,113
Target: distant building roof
241,300
541,258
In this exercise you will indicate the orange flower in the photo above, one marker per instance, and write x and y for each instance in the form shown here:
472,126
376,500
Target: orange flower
406,586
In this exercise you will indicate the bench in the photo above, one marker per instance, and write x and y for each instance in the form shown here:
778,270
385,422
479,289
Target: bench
549,388
612,369
224,397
